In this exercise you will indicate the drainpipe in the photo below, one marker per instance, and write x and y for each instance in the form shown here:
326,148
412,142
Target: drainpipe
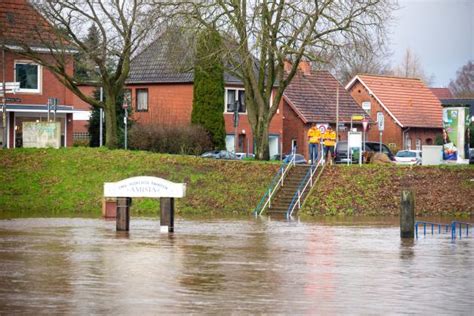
403,137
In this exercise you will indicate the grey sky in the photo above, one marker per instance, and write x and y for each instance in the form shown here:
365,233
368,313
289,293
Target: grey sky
439,32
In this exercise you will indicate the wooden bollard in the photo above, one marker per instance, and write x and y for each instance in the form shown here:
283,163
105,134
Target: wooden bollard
407,214
123,213
167,215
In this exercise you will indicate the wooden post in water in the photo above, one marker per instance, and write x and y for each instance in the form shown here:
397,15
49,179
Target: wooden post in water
407,214
123,213
167,215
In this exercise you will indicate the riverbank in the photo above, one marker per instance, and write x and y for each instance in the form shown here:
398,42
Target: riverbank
374,190
69,182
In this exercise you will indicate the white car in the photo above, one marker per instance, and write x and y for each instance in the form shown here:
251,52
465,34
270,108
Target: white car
408,157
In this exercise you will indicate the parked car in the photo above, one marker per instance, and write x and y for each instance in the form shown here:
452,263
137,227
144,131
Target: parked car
340,152
408,157
299,159
243,155
219,154
471,156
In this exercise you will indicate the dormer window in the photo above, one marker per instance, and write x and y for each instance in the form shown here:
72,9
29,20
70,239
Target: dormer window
28,74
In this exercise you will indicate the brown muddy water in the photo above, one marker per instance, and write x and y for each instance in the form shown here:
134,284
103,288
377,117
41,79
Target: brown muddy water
239,266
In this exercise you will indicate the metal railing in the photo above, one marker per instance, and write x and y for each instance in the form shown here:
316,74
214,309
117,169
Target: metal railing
277,181
308,181
453,227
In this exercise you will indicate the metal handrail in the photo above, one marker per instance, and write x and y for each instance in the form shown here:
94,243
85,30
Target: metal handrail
302,188
272,188
451,226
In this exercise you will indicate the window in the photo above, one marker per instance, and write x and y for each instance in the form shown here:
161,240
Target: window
142,100
418,144
28,74
294,145
230,143
235,97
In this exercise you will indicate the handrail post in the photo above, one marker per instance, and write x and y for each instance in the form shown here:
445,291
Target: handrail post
299,199
269,198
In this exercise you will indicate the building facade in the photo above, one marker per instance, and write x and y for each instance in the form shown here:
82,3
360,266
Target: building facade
412,113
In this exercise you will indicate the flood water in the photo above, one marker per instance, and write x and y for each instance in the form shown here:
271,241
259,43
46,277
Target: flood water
244,266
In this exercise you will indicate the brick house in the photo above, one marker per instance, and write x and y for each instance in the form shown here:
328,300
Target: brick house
311,98
17,20
412,113
162,93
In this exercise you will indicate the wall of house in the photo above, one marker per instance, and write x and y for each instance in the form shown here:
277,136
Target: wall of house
50,85
172,104
168,104
294,128
392,133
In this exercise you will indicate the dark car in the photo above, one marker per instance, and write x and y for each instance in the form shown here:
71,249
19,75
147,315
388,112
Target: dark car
340,152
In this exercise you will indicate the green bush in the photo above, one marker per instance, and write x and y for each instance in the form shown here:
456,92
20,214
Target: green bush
185,140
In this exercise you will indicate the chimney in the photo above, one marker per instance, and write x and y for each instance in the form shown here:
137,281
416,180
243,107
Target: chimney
287,64
305,67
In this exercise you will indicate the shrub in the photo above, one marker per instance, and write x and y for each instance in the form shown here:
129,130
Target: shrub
185,140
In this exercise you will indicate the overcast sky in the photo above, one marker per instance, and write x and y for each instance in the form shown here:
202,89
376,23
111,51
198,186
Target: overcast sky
439,32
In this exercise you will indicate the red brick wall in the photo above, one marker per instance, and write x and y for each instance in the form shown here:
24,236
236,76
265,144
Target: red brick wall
167,104
276,127
50,86
173,103
294,128
392,132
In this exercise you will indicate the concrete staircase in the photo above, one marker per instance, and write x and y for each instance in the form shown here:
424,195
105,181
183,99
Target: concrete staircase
284,195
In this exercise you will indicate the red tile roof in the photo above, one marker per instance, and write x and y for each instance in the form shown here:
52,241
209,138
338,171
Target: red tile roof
313,97
21,23
408,100
442,93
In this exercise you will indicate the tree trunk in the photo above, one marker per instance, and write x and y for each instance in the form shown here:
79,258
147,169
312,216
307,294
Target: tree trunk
262,151
110,123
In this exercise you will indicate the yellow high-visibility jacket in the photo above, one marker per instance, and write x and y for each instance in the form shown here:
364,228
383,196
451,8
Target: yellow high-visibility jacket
329,138
314,135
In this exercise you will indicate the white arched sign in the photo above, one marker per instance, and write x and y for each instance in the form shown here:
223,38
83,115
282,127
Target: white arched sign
145,187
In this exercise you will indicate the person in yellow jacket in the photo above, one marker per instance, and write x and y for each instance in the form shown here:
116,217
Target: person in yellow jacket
314,137
329,140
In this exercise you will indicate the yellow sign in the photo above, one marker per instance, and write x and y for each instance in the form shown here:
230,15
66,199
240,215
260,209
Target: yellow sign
357,117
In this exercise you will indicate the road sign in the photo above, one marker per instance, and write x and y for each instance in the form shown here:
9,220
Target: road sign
357,117
10,87
365,124
380,121
322,127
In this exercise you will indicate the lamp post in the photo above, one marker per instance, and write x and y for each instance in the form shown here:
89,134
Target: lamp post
125,119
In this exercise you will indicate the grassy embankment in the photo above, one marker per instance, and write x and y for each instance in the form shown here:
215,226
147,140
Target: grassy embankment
69,182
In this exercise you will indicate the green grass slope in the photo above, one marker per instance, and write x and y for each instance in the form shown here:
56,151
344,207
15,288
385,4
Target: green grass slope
69,182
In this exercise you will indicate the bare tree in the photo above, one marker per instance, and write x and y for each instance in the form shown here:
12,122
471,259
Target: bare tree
356,58
463,85
411,67
262,35
121,24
